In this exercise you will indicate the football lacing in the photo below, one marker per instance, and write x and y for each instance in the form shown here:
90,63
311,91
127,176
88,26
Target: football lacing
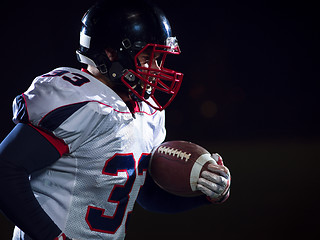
174,152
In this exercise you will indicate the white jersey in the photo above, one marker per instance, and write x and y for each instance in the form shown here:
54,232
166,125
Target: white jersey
90,191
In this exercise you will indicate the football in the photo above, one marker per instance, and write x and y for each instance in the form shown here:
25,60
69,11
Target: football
175,166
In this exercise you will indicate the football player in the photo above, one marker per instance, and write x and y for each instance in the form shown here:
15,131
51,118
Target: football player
77,160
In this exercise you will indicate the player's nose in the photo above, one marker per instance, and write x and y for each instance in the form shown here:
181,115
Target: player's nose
154,66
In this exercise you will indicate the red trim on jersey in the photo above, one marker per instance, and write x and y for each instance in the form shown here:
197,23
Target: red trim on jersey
62,236
139,111
25,102
58,143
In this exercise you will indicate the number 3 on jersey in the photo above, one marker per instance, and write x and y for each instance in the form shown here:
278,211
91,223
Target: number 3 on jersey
75,79
120,194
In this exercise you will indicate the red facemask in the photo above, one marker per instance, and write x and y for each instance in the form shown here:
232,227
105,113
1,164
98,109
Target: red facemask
155,80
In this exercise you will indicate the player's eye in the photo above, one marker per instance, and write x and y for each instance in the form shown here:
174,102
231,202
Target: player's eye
146,59
143,59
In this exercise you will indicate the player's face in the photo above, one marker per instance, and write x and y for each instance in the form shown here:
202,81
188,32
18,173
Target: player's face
147,61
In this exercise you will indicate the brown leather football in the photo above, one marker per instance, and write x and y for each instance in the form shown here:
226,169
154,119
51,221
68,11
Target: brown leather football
175,166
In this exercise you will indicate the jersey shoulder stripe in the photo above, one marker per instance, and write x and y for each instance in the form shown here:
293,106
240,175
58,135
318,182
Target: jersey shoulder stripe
50,121
56,117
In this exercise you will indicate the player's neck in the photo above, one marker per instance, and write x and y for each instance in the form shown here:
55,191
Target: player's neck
96,73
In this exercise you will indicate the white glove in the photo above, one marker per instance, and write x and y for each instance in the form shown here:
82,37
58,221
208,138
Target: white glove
215,183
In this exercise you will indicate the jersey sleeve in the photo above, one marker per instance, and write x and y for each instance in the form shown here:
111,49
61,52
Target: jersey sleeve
57,109
20,115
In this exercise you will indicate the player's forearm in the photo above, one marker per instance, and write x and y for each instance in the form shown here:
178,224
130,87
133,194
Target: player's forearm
153,198
20,206
23,152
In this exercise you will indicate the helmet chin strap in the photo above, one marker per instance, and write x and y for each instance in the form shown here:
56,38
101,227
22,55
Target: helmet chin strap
114,71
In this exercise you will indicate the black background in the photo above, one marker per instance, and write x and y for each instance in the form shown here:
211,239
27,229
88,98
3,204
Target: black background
250,92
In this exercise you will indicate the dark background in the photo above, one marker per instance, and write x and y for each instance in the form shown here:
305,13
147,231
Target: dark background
250,92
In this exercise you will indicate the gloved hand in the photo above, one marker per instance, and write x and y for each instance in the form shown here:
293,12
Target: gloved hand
215,183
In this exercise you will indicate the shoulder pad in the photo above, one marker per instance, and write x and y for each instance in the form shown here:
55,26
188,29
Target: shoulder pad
68,89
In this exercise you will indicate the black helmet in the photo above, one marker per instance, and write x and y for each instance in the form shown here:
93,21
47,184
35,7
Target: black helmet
129,28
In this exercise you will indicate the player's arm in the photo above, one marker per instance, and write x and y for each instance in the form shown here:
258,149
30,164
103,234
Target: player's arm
153,198
23,152
214,184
